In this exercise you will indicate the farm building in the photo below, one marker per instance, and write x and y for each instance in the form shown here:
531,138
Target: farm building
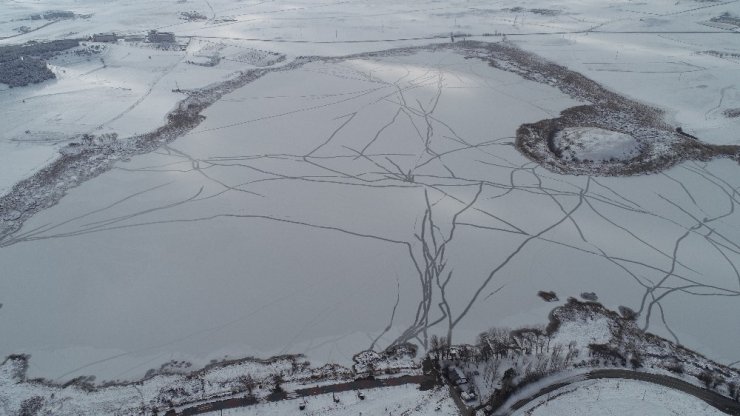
160,37
104,37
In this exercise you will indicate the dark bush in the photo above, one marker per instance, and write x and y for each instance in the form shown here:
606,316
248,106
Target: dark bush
548,296
706,377
628,313
31,406
590,296
21,65
21,72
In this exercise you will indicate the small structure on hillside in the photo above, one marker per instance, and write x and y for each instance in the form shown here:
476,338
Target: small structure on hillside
160,37
104,37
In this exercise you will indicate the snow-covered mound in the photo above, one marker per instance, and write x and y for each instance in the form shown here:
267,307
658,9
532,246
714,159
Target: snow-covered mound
595,144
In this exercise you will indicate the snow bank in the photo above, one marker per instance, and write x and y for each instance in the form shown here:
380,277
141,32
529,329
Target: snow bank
593,330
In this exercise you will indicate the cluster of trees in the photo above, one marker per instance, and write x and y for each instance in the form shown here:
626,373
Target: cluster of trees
31,406
53,15
21,72
734,390
714,380
505,359
21,65
721,54
526,352
728,18
501,361
40,50
609,354
192,16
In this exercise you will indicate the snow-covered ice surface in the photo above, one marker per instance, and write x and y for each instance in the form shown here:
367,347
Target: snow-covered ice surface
617,397
286,221
291,213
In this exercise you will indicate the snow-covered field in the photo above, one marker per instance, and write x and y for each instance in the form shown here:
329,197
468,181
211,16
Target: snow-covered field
597,145
296,218
617,397
125,89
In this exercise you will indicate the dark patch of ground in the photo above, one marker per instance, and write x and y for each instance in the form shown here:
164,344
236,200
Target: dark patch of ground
21,65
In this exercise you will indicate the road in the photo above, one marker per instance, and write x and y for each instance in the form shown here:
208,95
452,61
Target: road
721,403
425,382
30,31
467,35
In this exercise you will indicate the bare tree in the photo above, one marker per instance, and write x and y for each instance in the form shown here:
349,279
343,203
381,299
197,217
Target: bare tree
247,383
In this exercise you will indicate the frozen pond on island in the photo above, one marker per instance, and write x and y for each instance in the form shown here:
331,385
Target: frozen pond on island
354,204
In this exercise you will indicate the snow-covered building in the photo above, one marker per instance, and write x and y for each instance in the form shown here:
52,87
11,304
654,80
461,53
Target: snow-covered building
104,37
160,37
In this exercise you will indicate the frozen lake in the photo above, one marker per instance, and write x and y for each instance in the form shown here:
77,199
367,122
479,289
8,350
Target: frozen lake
354,204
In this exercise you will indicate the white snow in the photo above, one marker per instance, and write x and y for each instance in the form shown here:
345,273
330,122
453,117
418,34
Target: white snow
616,397
583,332
595,144
160,259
